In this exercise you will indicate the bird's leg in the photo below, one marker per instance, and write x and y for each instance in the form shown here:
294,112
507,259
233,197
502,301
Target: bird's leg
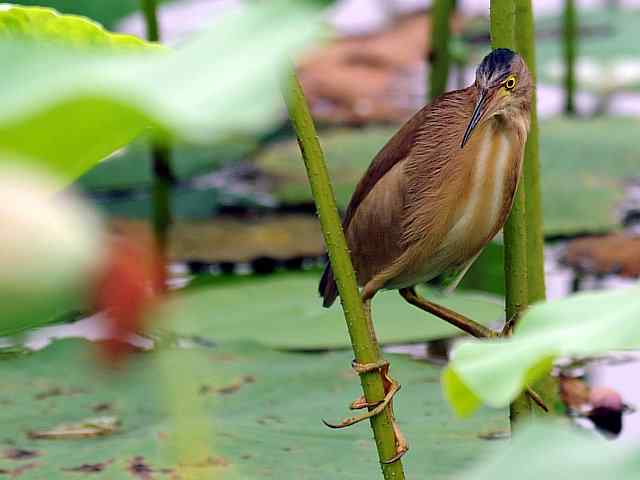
391,387
466,324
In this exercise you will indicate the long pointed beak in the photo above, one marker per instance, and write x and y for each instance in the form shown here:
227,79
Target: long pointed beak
475,118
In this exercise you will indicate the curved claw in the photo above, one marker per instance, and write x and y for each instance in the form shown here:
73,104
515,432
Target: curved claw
347,422
396,457
402,446
361,403
361,368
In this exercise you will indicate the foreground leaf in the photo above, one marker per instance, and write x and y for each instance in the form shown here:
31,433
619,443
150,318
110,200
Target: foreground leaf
495,372
68,108
551,452
262,410
47,25
284,311
107,13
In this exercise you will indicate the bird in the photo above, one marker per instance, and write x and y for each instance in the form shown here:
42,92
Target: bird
439,191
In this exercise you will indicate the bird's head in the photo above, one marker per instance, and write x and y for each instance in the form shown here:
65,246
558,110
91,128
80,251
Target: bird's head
503,86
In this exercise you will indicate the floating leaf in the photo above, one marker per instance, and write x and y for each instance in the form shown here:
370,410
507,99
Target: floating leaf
130,169
262,409
284,311
496,371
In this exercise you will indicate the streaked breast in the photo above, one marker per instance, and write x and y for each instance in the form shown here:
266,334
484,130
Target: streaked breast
483,213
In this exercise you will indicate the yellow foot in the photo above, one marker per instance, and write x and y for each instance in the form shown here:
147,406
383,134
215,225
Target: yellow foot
391,387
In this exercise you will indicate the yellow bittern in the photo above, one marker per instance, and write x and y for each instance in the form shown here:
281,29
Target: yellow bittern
437,193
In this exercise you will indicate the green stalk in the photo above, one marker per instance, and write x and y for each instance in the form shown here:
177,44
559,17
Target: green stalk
515,230
440,53
151,19
363,339
570,34
162,173
547,388
525,44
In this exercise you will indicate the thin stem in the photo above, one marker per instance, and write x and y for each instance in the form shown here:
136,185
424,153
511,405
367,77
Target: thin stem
525,36
363,340
515,230
440,58
162,173
570,34
151,19
502,23
525,43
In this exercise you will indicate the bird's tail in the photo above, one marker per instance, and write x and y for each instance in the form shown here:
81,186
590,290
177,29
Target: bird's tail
328,289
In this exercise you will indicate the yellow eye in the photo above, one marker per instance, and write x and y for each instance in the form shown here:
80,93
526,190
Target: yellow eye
510,83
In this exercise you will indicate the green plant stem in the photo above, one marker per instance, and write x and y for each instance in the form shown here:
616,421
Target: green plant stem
515,230
525,43
162,173
363,340
149,9
569,44
440,58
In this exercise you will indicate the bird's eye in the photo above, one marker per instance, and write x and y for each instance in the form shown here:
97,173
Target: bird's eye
510,83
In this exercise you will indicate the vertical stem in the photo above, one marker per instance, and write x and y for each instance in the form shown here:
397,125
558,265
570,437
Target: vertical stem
440,58
151,19
515,230
162,173
569,44
525,44
363,340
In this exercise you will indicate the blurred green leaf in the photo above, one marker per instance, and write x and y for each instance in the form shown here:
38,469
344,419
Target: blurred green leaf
47,25
67,109
107,13
284,311
551,452
497,371
262,409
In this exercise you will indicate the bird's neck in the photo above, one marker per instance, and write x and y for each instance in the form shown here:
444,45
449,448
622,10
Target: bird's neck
516,120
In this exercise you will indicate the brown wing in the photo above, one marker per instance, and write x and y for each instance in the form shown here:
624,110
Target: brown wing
392,153
374,235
